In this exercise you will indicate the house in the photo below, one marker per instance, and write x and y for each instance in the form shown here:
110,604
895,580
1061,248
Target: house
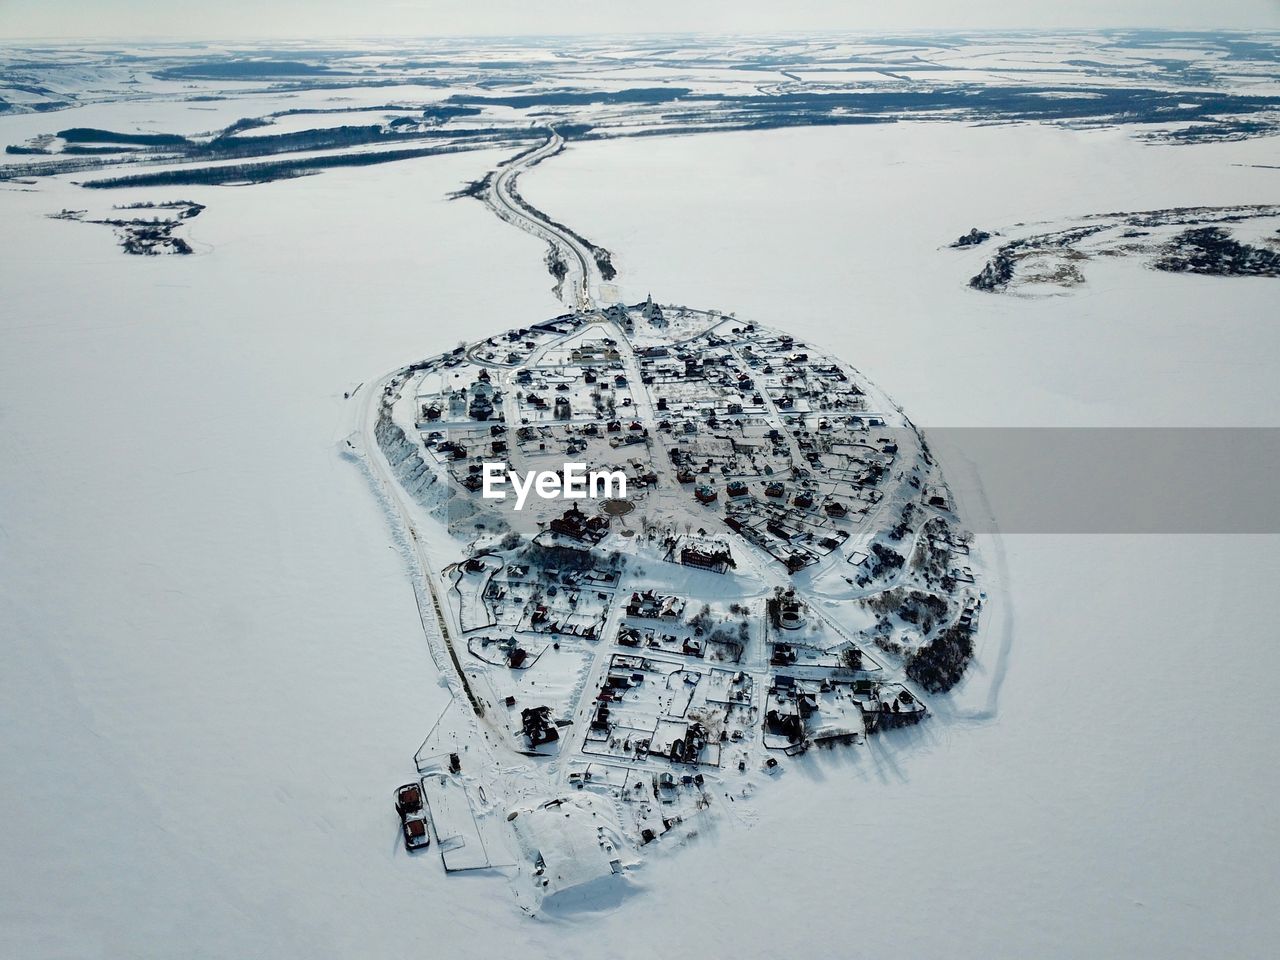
538,726
687,748
783,723
600,720
619,314
652,606
602,352
783,654
580,526
707,557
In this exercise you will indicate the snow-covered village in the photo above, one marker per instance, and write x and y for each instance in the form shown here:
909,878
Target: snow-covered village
561,480
784,572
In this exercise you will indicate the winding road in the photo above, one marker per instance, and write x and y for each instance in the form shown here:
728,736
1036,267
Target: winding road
576,290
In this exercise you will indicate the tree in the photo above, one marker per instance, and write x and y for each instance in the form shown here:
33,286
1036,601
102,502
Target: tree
702,620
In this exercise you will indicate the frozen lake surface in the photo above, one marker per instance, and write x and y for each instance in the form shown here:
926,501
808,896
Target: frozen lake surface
215,672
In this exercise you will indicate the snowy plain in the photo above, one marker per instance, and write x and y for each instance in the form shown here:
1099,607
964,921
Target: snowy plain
215,674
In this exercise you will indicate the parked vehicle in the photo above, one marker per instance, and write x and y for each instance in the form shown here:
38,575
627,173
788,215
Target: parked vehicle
416,835
409,799
413,821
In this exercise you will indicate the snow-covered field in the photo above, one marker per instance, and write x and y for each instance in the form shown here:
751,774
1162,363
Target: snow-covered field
214,669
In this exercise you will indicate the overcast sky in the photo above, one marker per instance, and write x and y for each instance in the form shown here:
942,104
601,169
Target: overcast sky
223,19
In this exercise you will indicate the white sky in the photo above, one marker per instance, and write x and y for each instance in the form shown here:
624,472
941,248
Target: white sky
228,19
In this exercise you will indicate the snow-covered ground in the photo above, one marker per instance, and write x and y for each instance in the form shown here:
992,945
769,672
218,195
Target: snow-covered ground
215,673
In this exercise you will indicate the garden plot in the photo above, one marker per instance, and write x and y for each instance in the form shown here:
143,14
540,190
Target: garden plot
468,594
716,631
507,594
649,707
799,710
559,610
552,679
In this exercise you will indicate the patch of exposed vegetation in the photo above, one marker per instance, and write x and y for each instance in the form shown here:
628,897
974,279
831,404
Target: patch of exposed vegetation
276,170
1055,258
1212,251
476,188
555,263
996,274
244,69
884,560
972,239
94,135
604,262
245,123
146,236
939,664
229,144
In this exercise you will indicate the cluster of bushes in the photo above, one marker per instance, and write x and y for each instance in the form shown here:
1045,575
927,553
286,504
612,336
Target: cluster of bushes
930,556
265,172
923,609
243,70
1211,250
939,664
94,135
540,556
568,98
884,560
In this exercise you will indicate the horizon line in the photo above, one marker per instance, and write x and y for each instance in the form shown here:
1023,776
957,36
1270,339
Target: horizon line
817,32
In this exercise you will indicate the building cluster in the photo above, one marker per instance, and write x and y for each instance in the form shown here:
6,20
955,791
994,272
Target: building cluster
750,461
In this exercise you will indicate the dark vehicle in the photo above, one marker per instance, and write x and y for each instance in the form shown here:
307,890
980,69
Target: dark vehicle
413,821
416,835
409,800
